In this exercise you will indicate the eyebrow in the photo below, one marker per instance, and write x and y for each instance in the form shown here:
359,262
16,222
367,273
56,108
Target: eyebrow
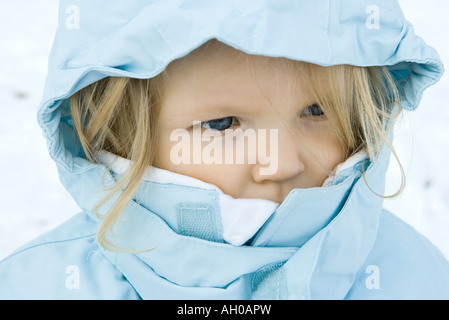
214,110
219,109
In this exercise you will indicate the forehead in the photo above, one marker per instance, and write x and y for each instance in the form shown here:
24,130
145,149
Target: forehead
216,71
217,60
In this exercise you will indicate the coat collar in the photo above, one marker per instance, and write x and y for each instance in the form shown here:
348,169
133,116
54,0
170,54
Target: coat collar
219,217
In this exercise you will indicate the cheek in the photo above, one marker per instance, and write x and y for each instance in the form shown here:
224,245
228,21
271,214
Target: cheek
334,152
323,155
227,177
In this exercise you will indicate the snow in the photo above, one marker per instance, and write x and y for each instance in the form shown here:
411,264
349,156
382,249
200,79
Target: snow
32,200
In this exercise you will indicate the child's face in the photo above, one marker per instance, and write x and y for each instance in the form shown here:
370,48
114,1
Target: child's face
239,91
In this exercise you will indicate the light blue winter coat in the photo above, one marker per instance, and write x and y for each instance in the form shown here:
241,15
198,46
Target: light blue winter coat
331,242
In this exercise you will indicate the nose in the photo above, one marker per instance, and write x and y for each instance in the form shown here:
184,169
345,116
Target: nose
281,160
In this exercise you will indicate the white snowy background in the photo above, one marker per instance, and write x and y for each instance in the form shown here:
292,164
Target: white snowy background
32,200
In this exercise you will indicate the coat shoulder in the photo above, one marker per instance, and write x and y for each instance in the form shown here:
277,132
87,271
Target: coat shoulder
64,263
77,227
403,264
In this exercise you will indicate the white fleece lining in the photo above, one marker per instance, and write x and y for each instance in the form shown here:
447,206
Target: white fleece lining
348,163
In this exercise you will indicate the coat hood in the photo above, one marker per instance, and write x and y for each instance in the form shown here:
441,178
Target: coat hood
138,40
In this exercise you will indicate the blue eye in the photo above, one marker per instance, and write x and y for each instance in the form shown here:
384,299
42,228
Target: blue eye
219,124
313,111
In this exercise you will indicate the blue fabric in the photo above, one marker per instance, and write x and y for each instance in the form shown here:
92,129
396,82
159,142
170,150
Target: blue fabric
334,242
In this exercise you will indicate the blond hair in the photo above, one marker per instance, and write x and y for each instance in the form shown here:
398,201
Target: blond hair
119,115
